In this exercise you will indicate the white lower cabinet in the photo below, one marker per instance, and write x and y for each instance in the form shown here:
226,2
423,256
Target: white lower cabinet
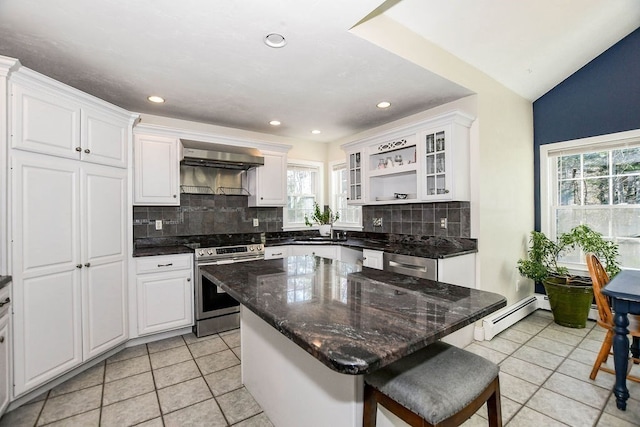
164,292
5,349
350,256
69,264
325,251
275,252
372,259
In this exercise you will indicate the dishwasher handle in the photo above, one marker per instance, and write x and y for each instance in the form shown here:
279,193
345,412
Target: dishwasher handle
425,268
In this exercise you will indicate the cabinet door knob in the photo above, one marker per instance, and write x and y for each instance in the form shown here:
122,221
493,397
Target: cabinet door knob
78,265
188,279
78,149
1,339
261,198
88,264
6,301
174,196
86,150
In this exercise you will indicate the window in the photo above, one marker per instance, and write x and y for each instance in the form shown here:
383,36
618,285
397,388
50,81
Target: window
350,216
594,181
303,189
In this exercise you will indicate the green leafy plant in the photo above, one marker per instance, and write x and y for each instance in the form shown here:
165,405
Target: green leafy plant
543,253
321,217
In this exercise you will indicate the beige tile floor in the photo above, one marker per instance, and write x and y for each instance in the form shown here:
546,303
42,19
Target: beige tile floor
185,381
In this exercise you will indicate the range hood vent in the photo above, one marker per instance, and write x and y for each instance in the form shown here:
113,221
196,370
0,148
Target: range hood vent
198,153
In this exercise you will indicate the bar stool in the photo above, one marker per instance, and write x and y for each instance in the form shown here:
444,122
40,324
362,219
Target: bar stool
440,385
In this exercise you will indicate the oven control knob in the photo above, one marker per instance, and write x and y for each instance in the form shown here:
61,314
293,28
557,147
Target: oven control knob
200,253
210,252
252,248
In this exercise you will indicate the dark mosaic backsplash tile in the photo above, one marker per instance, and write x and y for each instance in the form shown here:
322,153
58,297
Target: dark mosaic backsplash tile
204,214
216,214
419,219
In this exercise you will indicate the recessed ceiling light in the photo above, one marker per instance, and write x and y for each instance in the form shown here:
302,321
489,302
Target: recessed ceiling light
156,99
383,104
315,131
275,40
275,123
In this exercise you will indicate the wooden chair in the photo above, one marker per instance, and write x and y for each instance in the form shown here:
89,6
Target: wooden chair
600,278
440,385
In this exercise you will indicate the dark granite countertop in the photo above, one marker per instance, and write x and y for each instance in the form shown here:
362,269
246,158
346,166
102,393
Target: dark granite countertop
4,281
162,250
353,319
431,247
436,248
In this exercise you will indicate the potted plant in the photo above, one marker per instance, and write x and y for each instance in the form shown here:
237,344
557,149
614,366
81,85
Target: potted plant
570,296
324,218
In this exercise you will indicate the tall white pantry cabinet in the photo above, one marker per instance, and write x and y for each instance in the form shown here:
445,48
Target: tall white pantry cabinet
68,229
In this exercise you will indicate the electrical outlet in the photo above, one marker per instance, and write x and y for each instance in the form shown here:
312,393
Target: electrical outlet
443,222
256,222
158,224
377,222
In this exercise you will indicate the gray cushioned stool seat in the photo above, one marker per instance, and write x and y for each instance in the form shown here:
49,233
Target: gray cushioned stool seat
435,382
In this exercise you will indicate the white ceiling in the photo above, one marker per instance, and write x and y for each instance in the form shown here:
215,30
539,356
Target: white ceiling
208,60
528,46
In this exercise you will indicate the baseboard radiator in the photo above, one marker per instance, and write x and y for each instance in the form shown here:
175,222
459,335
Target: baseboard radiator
501,320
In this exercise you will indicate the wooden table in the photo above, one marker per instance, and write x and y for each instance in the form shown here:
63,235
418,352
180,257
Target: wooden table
624,290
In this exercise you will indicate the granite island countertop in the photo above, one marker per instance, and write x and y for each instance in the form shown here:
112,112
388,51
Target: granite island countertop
351,318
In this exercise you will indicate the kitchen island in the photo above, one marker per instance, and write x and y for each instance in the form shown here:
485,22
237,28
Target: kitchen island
311,327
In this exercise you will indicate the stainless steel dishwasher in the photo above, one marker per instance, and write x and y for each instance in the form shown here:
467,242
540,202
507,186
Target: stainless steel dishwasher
425,268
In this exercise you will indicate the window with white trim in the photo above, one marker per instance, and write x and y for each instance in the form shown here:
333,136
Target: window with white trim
350,216
593,181
304,187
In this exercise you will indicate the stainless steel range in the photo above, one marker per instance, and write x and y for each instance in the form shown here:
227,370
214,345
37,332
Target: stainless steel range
215,310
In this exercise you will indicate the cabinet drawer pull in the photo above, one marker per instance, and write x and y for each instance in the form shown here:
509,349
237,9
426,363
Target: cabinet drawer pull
165,265
1,339
78,149
6,301
86,150
278,254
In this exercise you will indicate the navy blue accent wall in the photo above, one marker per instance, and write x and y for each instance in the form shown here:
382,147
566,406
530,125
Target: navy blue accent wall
602,97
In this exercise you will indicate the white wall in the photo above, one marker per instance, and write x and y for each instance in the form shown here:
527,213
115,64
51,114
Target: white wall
502,155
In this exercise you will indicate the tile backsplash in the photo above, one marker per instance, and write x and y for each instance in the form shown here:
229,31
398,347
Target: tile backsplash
205,214
419,219
216,214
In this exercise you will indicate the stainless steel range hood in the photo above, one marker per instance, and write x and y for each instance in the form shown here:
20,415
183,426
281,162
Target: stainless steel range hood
198,153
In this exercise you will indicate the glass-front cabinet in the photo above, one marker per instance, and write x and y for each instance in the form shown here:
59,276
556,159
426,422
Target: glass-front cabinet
446,161
425,161
436,164
355,194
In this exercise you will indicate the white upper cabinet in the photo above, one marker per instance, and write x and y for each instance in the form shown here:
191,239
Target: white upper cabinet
268,183
51,118
426,161
45,122
445,155
104,138
355,192
156,170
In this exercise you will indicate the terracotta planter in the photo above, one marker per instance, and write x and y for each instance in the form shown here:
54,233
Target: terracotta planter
570,303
